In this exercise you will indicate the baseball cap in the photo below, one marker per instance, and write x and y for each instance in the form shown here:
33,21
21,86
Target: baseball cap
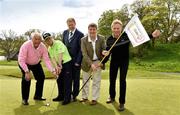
46,35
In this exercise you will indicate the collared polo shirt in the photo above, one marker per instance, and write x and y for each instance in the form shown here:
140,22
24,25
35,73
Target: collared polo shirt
29,55
57,48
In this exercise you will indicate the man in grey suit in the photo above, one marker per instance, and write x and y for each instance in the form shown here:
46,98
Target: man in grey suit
92,47
72,39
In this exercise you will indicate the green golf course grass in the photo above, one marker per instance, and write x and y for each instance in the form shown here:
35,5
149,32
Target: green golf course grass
145,96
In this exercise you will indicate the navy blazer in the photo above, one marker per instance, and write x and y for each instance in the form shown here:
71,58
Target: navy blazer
74,46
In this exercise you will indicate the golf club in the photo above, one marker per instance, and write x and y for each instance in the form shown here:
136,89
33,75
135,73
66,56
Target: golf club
86,82
48,103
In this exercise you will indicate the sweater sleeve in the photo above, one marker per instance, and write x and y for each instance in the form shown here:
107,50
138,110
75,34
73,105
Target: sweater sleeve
22,57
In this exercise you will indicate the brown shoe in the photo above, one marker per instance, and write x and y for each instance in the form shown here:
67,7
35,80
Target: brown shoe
93,102
83,100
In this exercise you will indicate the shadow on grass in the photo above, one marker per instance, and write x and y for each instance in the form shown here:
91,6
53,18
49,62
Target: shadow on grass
125,112
74,108
29,109
77,108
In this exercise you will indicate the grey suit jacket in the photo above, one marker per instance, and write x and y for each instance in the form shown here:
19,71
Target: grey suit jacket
87,51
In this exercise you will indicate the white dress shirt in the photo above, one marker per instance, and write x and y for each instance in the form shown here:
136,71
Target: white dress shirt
94,47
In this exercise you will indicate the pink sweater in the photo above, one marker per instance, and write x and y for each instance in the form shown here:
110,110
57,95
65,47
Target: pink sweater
29,55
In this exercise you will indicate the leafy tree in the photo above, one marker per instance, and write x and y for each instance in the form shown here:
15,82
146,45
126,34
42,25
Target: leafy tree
107,17
171,19
123,14
138,7
153,19
157,14
10,43
104,23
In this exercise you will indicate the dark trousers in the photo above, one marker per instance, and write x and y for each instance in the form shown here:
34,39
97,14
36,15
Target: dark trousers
64,82
75,80
114,66
38,75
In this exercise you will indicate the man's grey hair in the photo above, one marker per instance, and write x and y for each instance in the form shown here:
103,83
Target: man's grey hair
35,33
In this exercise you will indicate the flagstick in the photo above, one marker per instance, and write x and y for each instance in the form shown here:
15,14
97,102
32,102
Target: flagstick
111,48
101,61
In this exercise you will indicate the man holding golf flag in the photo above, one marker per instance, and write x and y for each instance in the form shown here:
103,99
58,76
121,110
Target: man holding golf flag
118,47
61,60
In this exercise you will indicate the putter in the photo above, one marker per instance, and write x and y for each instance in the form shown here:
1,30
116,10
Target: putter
48,103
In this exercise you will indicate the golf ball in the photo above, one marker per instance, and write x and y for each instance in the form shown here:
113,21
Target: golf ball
47,104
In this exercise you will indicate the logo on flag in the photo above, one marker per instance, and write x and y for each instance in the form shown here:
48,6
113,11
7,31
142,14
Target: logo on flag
136,32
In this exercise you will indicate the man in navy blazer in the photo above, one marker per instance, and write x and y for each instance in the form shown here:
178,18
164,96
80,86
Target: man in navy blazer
72,39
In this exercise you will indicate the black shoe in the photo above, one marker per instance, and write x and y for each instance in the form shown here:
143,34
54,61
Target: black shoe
74,99
65,102
110,100
39,98
121,107
25,102
58,99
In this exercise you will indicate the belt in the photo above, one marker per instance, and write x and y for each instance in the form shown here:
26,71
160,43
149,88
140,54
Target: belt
95,60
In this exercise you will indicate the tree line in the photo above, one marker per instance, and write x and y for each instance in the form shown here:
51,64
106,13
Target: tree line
154,14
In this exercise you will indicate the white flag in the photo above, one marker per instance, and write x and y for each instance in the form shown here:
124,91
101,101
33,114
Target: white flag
136,32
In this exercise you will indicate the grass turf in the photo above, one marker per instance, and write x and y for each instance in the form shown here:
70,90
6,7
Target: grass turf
152,96
14,71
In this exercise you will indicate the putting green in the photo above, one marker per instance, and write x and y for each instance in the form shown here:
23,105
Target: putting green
144,97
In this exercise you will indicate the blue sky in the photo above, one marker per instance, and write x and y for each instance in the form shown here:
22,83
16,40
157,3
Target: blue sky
51,15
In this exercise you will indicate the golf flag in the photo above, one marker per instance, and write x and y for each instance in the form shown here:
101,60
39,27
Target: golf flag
136,32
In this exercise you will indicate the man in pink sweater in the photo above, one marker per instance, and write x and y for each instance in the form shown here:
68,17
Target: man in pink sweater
29,59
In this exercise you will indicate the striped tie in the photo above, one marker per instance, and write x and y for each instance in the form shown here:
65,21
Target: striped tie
70,36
